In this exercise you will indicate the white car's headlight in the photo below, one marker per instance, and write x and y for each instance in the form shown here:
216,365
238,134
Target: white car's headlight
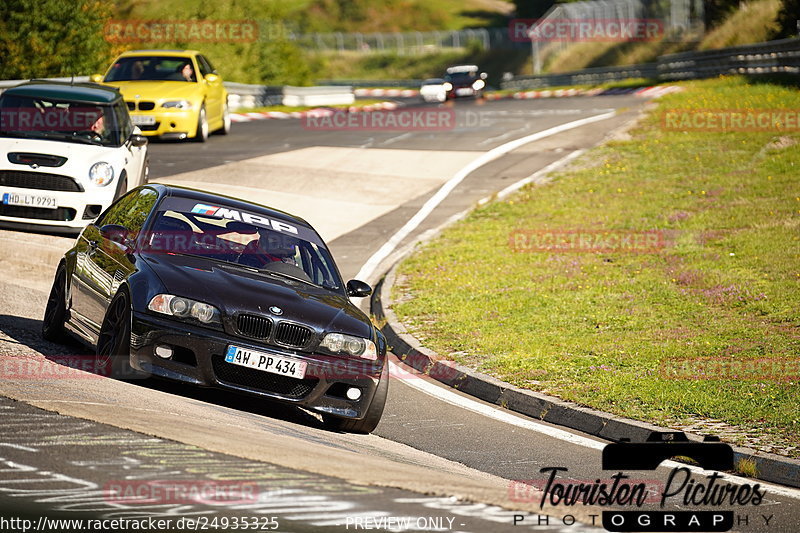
339,343
177,104
179,307
478,85
447,86
101,174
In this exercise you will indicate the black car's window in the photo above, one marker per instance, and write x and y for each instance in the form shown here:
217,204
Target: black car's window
460,77
49,118
152,68
244,244
130,211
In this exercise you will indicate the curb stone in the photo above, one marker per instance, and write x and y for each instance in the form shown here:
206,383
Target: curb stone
767,466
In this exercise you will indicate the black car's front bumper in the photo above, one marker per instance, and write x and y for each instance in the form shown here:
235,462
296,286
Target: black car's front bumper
199,358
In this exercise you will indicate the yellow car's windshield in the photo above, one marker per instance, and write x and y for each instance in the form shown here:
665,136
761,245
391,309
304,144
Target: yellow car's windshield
152,68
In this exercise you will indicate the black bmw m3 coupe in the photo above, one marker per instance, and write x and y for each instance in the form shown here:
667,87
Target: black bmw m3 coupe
218,292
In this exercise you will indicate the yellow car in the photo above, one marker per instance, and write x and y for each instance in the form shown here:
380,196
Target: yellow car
173,94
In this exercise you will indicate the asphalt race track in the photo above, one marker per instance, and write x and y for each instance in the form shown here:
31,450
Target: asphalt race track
437,460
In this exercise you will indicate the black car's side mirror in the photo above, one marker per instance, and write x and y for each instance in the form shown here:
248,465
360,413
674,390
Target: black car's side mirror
358,289
138,140
484,75
119,235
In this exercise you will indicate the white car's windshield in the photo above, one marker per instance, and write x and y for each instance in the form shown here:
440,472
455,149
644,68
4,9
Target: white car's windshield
46,118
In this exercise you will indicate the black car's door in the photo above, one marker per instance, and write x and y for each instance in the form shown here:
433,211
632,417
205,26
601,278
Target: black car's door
103,259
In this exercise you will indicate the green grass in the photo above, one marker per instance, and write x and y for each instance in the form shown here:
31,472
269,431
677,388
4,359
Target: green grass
597,328
753,22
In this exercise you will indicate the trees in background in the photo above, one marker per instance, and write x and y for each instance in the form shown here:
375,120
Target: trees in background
51,38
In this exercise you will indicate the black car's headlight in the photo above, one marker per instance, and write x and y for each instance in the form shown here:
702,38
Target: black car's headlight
341,344
185,308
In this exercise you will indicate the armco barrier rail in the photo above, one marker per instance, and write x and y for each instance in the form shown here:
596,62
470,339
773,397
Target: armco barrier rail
772,57
244,95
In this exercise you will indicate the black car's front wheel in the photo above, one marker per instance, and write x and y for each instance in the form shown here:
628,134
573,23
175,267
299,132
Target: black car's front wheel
55,314
374,411
114,341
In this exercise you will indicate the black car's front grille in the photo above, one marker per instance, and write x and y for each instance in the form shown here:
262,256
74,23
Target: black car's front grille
257,327
146,106
38,180
293,335
21,211
260,380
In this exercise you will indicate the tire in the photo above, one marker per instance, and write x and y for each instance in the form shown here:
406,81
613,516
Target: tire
55,314
114,340
374,411
201,135
226,120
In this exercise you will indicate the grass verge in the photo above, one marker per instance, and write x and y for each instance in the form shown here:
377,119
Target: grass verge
608,329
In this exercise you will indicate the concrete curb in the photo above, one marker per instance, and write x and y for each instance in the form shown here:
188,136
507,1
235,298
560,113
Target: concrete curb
767,466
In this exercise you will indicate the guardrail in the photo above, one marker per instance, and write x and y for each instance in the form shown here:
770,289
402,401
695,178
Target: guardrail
589,76
242,95
772,57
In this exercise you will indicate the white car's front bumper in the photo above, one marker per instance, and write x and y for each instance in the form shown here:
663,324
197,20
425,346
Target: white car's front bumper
67,211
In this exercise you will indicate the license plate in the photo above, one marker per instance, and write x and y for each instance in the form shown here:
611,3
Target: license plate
463,92
30,200
283,366
143,120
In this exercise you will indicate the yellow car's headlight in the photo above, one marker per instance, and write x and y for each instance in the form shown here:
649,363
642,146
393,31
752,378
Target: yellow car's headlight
177,104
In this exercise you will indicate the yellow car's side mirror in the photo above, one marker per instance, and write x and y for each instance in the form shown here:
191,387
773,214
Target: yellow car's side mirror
211,78
97,78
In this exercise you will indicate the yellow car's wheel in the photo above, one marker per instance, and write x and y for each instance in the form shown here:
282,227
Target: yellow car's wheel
202,126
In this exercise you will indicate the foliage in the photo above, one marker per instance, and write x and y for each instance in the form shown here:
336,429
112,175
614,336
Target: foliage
788,18
52,38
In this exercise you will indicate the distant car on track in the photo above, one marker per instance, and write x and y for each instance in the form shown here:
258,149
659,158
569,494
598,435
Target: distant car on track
218,292
172,94
464,80
433,90
67,151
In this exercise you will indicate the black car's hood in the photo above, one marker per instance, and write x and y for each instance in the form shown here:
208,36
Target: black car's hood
235,289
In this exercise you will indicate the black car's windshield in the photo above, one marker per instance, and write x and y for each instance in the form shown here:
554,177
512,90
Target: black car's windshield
461,77
152,68
280,253
48,118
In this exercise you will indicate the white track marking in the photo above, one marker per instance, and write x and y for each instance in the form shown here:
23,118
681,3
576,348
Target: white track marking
433,202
